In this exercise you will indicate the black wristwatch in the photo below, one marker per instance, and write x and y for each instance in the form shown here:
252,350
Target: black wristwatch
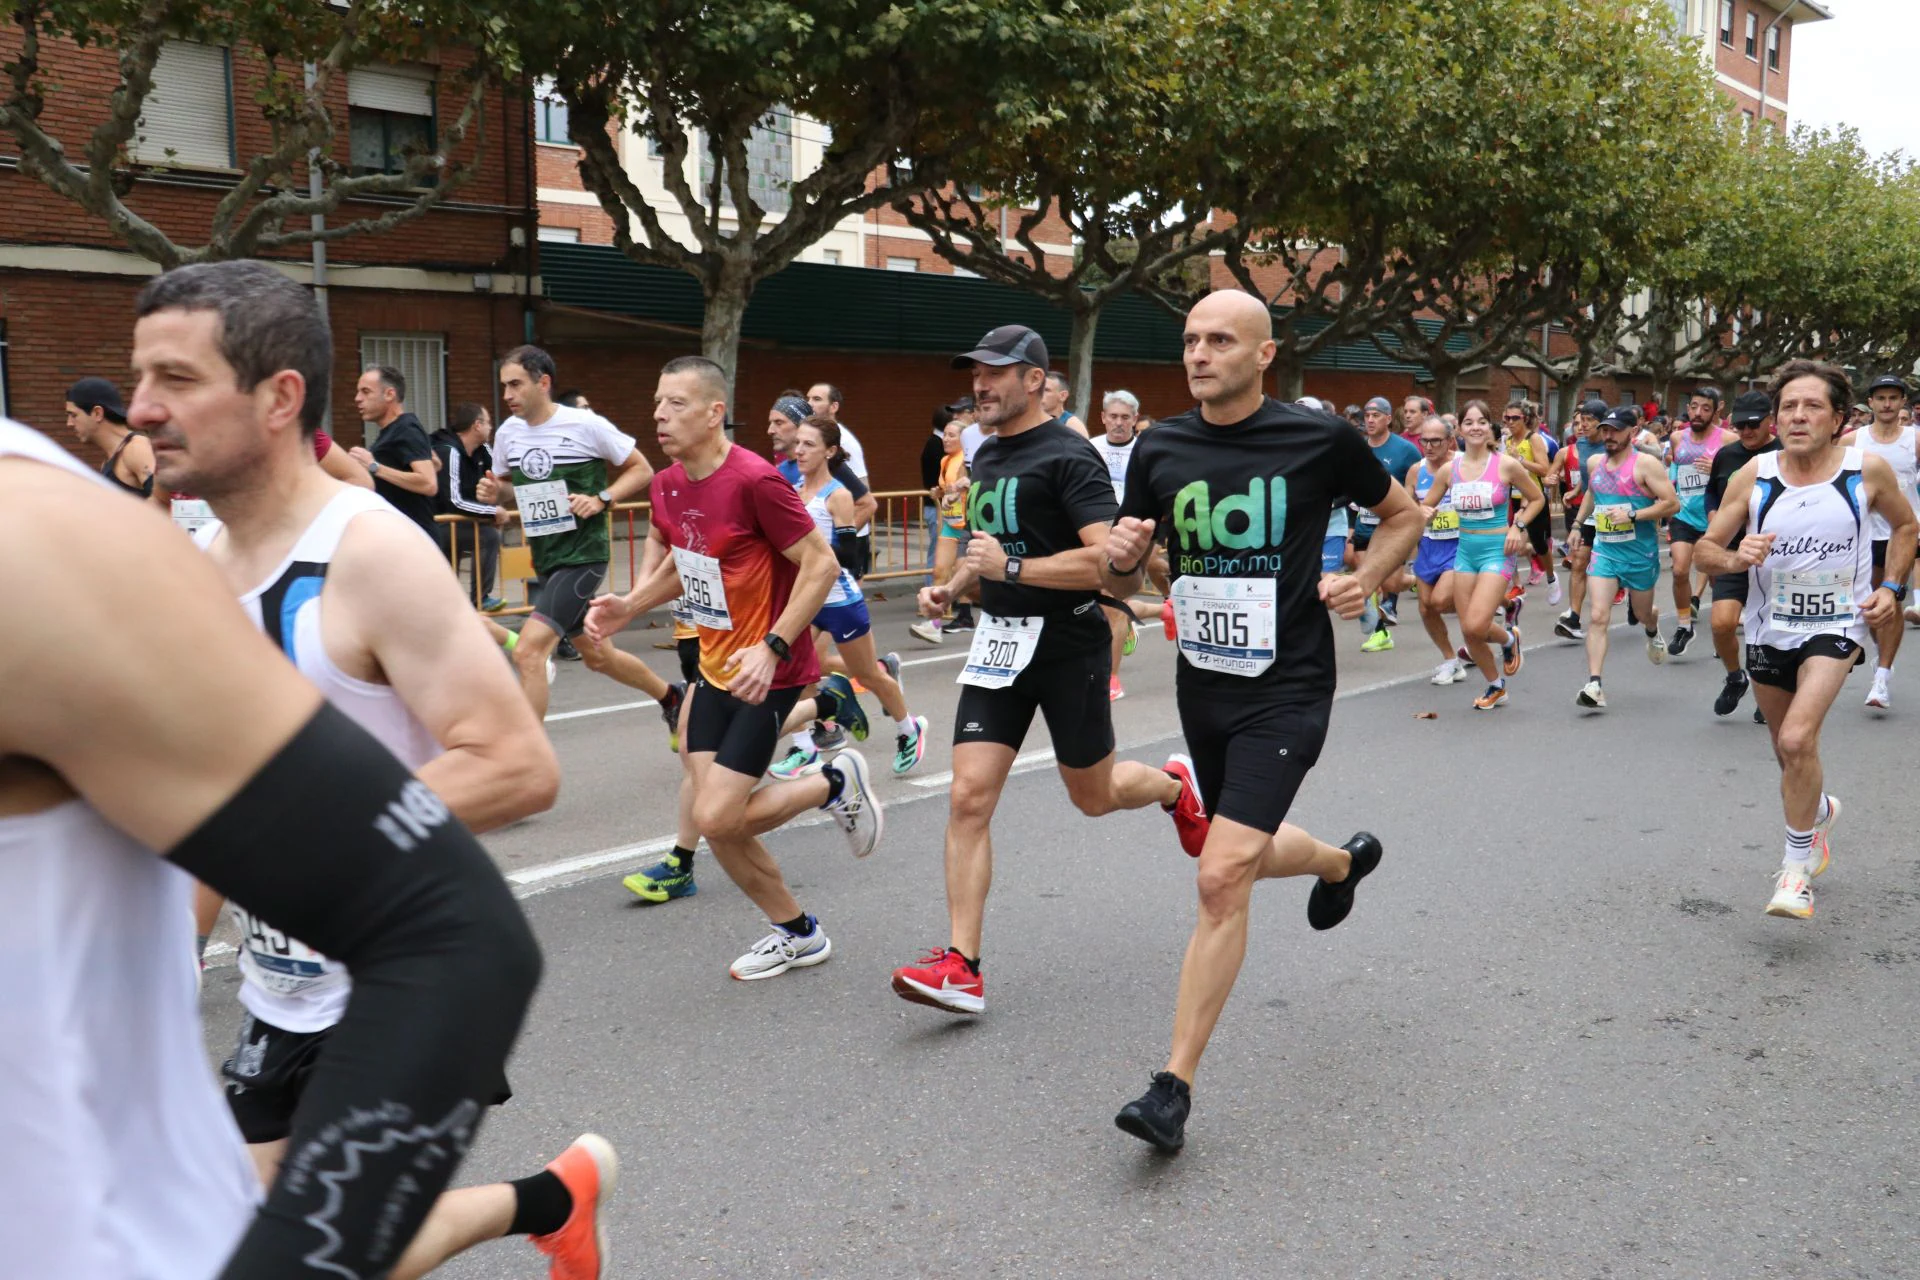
779,646
1013,568
1899,590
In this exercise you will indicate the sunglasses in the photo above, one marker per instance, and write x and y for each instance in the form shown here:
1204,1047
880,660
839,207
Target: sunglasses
1432,440
1511,417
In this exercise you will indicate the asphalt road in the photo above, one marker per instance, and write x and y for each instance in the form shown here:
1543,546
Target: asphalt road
1557,1037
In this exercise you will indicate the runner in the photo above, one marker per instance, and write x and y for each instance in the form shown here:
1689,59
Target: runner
1396,455
1585,447
1899,447
1222,480
753,571
1119,410
551,462
1433,563
1690,453
950,497
1480,484
1752,419
1535,450
1414,412
1053,401
1038,509
1628,494
824,399
1813,595
96,416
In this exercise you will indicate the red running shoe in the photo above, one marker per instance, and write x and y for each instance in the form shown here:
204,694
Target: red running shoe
942,980
588,1169
1189,815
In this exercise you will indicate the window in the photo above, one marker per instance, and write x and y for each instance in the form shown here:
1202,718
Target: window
966,274
1679,8
549,113
903,264
830,256
560,235
1753,37
389,117
188,117
1726,23
1773,48
421,359
769,164
1746,120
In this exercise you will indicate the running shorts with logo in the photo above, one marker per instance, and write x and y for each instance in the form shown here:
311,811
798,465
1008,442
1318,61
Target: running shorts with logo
1067,686
846,621
1780,668
742,736
1251,756
1435,557
1806,595
565,592
1440,544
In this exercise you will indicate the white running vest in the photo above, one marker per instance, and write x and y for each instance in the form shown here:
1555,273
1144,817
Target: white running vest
286,983
1906,470
118,1158
1819,570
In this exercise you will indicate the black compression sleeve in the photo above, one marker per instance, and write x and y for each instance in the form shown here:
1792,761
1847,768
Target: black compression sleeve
335,843
846,548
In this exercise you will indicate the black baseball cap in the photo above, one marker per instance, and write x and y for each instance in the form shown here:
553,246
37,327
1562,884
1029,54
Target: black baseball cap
1622,417
1594,407
962,405
1888,381
1751,408
89,394
1009,344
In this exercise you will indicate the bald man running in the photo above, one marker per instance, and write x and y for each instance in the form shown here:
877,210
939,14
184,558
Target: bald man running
1242,485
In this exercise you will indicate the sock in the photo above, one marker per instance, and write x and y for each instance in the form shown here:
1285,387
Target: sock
1799,846
826,703
1883,673
1825,810
905,728
682,857
1595,679
1500,682
803,739
1685,620
836,783
973,964
800,926
1653,632
541,1205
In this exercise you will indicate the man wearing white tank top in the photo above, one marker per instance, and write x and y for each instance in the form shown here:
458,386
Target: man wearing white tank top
1813,591
1899,445
360,600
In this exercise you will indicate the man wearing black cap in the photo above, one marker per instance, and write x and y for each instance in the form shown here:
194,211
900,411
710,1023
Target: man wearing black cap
1900,446
1689,463
1586,444
1038,510
96,415
1753,420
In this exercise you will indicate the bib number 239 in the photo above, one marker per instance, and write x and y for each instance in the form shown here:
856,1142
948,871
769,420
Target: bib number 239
1001,650
1226,624
544,510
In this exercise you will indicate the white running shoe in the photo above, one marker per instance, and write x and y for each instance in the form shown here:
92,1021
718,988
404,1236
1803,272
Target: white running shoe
927,629
1792,893
1592,695
780,951
553,670
1554,592
1880,697
1448,672
1912,615
857,811
1656,649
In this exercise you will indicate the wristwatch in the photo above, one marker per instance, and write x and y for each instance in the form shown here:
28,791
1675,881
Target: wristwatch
373,468
779,646
605,496
1899,590
1013,568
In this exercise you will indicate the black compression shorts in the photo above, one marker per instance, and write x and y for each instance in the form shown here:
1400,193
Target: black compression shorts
1679,530
740,736
1729,586
1780,668
1251,755
689,651
1070,690
564,595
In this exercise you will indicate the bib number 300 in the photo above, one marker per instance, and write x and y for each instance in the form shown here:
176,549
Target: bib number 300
1001,650
1226,624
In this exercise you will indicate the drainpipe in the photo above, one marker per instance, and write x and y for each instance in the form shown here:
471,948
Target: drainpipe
1762,51
318,220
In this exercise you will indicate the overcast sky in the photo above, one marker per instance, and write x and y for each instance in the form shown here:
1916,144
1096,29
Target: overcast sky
1860,69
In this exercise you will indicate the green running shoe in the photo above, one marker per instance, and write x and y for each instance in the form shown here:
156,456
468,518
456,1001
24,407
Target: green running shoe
910,751
1379,642
800,763
667,878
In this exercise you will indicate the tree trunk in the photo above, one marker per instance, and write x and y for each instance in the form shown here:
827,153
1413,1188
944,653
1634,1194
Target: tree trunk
1446,386
720,324
1080,362
1290,377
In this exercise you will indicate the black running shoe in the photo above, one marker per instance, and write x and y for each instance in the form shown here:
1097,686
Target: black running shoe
1328,904
1159,1116
566,652
671,704
1758,716
1682,637
1633,619
1730,693
1567,626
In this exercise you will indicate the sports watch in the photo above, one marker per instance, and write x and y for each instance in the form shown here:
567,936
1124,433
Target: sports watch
779,646
1013,568
1899,590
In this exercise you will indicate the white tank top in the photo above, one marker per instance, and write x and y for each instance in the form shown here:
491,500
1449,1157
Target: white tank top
285,982
844,589
1819,570
1906,470
118,1158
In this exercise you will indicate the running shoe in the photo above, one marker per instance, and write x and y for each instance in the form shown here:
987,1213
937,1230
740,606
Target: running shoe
589,1170
1516,601
1159,1116
670,712
942,980
1329,904
799,763
780,951
1495,696
910,749
1759,716
891,661
1822,851
553,671
1592,695
927,629
1734,689
1379,642
857,811
1619,595
1114,690
1448,672
1370,614
1512,656
1656,649
1912,614
1567,626
848,713
1389,611
1682,637
1880,696
1189,814
1792,893
667,878
492,604
566,652
828,738
1466,659
961,623
1132,641
1554,592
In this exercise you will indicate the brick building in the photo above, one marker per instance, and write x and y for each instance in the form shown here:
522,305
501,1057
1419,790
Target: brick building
438,296
1749,45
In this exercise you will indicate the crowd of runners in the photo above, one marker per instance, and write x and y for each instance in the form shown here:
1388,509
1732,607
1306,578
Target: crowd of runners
325,679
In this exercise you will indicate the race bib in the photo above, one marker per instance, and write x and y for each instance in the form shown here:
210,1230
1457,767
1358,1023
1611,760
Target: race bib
543,508
1445,525
702,593
1691,481
281,964
1002,648
1472,495
1226,624
1813,600
192,514
1614,524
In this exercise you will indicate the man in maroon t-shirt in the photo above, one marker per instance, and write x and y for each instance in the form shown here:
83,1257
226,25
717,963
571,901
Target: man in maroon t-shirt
751,571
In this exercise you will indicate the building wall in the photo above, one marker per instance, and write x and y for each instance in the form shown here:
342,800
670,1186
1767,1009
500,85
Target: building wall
1740,76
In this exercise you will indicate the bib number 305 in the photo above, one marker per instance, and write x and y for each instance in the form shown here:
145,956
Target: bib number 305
1226,624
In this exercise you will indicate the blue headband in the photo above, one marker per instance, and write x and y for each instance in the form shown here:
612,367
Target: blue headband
793,408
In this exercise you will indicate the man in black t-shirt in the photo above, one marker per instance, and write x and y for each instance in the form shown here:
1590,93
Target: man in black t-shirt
1242,487
1752,417
1037,508
401,460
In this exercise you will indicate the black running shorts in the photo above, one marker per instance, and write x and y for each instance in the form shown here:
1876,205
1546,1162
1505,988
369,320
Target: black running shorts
740,736
1070,690
564,595
1729,586
1780,668
1251,755
689,650
1679,530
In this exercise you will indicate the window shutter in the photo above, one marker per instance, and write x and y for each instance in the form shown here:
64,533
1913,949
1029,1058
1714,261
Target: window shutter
421,360
406,91
190,110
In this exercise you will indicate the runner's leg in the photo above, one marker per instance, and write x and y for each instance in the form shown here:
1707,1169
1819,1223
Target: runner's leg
1480,595
537,643
617,664
1600,592
979,773
1794,721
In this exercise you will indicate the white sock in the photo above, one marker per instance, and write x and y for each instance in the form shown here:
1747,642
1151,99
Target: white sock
803,739
1825,810
1883,673
1799,846
904,728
